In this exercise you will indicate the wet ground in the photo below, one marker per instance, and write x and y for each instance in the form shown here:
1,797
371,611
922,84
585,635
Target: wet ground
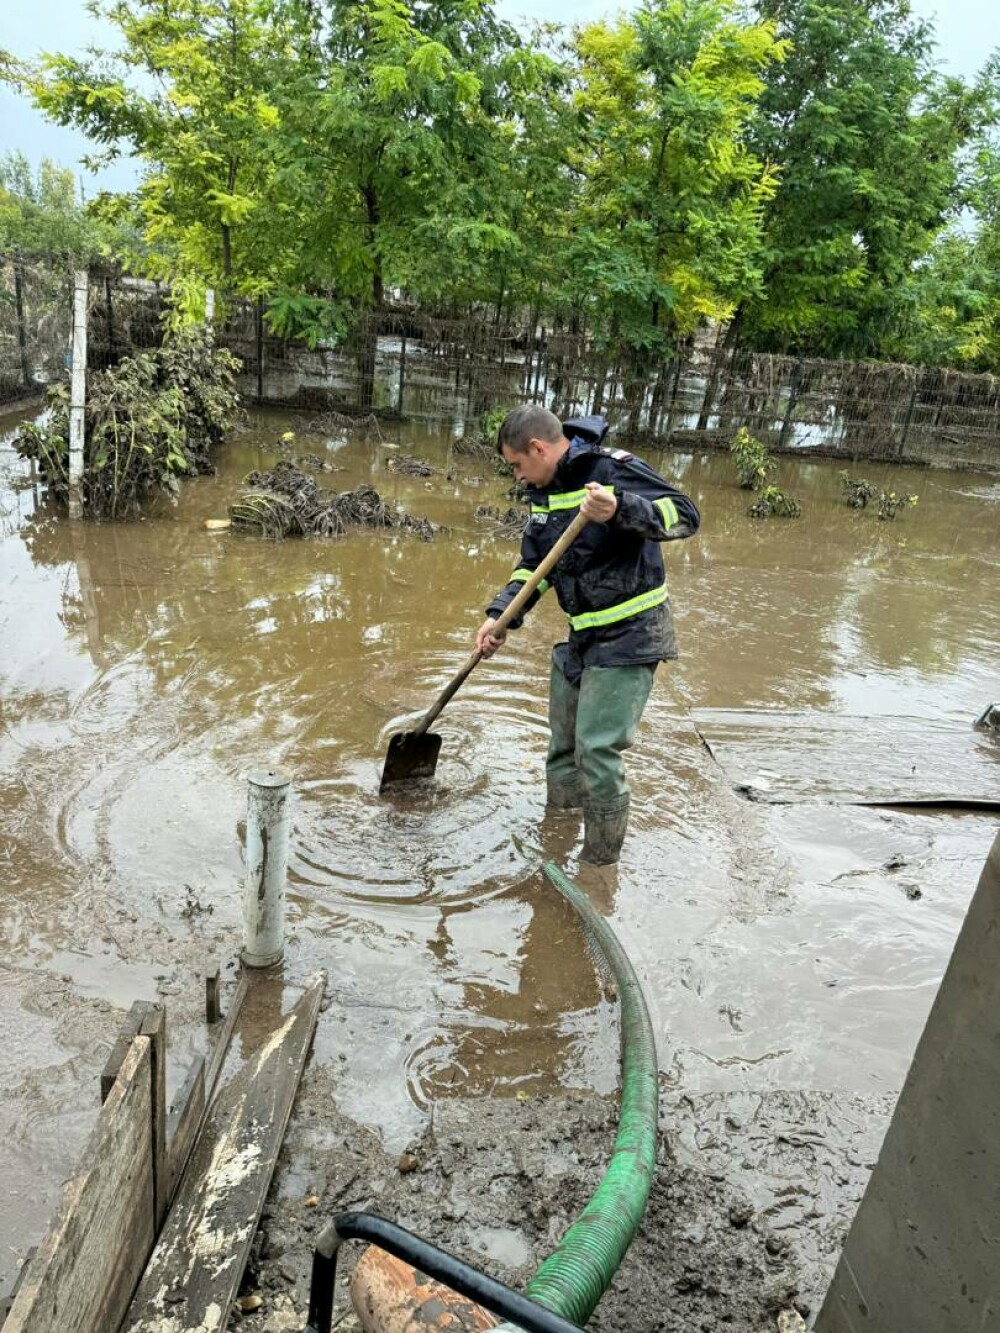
789,966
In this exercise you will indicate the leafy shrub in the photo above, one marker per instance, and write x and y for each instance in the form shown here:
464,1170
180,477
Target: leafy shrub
857,490
774,501
149,420
859,493
889,503
753,466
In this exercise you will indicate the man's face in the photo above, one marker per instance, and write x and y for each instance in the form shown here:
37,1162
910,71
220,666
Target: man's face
537,465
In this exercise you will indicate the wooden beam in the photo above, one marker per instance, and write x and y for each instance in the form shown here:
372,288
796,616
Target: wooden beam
194,1272
213,998
85,1270
154,1026
216,1058
186,1115
128,1031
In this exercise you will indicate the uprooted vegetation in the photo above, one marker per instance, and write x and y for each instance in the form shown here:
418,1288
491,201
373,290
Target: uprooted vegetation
287,503
509,522
859,493
149,420
360,427
774,502
482,441
409,466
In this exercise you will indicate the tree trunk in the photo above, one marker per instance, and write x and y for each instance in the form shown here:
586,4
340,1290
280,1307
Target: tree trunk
368,347
682,352
22,335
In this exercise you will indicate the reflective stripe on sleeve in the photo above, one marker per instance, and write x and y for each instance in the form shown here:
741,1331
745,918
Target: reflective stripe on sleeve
523,575
610,615
668,509
564,500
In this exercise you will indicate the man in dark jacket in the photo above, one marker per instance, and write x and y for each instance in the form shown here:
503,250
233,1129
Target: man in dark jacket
611,585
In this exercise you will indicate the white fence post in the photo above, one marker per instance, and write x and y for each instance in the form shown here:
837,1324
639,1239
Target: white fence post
268,823
78,393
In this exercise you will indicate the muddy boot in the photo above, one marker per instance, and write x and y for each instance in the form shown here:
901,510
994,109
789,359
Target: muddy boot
565,795
604,831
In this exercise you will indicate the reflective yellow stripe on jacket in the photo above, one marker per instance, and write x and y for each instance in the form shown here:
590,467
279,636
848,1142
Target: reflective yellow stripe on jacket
564,500
668,509
523,575
610,615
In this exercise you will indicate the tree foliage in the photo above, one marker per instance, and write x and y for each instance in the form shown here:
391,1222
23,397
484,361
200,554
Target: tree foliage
867,136
798,168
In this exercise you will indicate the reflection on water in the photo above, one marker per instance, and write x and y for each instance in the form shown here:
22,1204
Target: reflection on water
147,667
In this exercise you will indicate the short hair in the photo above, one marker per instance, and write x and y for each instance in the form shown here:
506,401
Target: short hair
528,422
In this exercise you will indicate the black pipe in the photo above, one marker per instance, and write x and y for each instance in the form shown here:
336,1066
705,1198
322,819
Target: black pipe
438,1264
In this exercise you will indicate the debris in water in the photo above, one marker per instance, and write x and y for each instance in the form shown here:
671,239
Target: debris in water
287,503
505,522
472,446
989,718
412,467
341,423
790,1321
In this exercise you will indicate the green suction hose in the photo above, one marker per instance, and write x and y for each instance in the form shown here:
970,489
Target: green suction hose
574,1278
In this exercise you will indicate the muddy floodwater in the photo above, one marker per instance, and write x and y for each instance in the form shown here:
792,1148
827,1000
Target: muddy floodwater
787,952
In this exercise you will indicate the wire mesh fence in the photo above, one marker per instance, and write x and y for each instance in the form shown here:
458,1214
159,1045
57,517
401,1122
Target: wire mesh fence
451,369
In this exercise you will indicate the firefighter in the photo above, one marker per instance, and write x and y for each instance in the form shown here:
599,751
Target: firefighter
612,587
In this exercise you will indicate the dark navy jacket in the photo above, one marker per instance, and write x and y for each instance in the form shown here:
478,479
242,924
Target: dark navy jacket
611,582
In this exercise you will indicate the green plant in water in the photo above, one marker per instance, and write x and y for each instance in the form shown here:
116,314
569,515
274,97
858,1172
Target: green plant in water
857,490
149,420
753,466
889,503
774,501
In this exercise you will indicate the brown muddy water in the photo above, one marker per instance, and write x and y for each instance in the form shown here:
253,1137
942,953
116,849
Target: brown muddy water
146,668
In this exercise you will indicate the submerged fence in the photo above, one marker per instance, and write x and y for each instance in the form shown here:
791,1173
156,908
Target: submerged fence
450,369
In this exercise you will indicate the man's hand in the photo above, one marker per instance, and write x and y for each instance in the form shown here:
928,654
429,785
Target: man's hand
486,641
600,505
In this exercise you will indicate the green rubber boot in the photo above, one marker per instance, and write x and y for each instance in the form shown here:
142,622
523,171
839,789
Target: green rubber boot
604,828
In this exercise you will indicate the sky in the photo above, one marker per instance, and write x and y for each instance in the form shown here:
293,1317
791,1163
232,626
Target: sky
967,31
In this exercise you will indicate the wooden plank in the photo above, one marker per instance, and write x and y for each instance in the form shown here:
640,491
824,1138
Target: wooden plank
216,1059
188,1112
126,1034
8,1300
86,1268
195,1271
213,998
780,758
154,1026
183,1123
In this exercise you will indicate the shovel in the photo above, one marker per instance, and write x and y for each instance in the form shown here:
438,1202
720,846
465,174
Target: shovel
414,754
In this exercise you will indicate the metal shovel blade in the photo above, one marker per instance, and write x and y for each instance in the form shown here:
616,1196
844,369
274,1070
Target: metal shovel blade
410,756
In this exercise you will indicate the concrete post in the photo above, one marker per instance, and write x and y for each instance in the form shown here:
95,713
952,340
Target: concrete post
268,823
78,393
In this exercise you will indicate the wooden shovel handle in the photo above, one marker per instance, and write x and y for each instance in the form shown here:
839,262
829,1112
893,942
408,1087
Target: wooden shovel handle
503,620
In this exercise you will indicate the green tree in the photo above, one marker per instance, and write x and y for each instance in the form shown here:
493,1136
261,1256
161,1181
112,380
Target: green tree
668,232
867,136
192,92
41,215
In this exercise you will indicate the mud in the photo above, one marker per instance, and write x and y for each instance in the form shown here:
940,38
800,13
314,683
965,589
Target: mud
749,1206
789,954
